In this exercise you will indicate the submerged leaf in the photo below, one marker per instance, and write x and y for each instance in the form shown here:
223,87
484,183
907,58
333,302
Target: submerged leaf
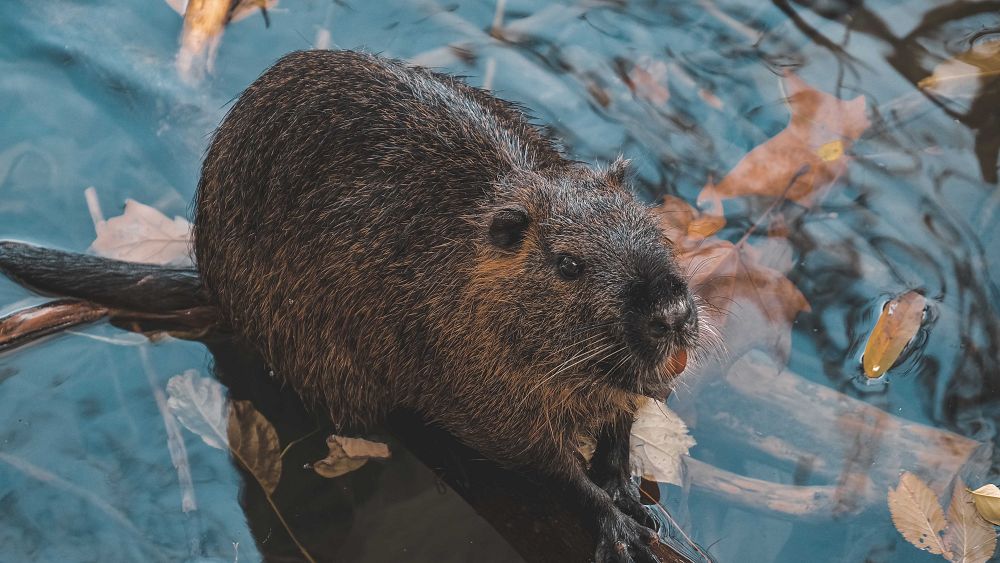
254,442
917,514
749,302
348,454
987,500
896,326
969,538
807,155
659,439
143,234
199,403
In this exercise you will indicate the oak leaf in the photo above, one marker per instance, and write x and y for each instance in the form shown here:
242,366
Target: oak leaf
968,537
896,326
917,514
804,158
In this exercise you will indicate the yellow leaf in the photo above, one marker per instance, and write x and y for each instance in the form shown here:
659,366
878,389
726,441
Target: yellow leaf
917,514
896,326
987,499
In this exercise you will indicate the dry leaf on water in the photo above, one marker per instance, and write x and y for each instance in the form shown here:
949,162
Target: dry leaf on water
253,441
142,234
960,78
987,500
917,514
204,22
348,454
896,326
199,404
968,537
805,157
659,439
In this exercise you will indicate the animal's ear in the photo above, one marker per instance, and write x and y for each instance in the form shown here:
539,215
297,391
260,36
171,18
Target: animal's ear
508,226
619,172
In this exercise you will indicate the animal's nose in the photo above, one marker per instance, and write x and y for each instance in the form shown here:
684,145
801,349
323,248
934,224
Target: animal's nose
670,318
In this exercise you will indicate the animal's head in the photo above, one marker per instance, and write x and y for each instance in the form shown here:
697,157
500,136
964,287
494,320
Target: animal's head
582,283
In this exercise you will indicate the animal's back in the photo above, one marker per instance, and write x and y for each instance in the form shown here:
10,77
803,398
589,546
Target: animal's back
326,199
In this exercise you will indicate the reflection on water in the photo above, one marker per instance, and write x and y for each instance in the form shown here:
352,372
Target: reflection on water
90,96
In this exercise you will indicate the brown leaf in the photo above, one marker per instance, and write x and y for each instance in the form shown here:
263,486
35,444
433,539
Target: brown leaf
987,499
806,156
254,442
917,514
896,326
969,538
750,303
348,454
648,80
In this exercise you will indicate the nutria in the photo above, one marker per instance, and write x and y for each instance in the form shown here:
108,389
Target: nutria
389,237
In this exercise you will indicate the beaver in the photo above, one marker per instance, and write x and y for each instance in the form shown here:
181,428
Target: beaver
388,237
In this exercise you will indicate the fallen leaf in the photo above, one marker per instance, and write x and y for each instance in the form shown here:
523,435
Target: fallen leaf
968,537
199,403
204,23
987,500
896,326
143,234
254,442
807,155
648,80
659,439
751,304
961,77
348,454
917,514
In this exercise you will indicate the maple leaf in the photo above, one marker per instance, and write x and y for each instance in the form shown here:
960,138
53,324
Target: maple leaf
806,156
750,303
140,234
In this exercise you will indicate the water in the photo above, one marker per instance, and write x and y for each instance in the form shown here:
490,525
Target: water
89,96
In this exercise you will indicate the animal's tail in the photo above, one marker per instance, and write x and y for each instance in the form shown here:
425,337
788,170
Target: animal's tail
112,283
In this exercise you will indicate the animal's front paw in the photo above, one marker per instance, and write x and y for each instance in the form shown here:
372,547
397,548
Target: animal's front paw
625,494
625,541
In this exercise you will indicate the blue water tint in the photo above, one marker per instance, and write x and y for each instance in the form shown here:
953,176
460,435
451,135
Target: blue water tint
89,96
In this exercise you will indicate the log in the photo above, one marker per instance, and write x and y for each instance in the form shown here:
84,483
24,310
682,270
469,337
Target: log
856,449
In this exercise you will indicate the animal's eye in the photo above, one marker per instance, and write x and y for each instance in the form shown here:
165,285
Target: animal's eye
569,268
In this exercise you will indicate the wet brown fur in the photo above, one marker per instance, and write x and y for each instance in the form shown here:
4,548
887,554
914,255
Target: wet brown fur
341,227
